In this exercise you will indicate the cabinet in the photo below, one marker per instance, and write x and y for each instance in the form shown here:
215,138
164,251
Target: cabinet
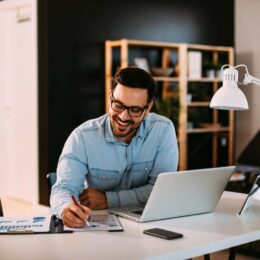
194,94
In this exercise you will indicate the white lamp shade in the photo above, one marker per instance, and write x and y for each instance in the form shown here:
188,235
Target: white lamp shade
229,98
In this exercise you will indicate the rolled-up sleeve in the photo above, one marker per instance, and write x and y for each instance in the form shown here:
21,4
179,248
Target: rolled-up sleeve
71,173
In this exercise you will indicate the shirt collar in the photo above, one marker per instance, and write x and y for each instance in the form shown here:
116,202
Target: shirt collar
109,136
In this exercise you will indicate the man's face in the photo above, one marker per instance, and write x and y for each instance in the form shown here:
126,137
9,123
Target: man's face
124,125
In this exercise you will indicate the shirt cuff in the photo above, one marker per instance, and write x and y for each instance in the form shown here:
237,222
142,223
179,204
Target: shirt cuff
113,200
61,210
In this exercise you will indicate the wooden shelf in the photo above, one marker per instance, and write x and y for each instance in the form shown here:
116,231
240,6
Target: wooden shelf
174,79
181,50
205,80
151,44
198,104
207,130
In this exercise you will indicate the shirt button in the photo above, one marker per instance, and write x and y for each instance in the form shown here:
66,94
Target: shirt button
103,177
146,169
129,148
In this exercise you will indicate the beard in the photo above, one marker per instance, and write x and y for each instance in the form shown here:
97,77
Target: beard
123,129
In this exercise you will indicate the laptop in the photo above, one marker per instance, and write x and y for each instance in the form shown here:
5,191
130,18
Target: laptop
178,194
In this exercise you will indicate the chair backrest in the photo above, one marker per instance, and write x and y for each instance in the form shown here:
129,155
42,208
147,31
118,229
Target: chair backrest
51,177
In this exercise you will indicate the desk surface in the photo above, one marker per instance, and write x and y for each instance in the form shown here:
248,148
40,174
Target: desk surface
203,234
16,207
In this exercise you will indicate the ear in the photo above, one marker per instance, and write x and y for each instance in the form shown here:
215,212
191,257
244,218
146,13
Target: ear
149,108
109,96
109,93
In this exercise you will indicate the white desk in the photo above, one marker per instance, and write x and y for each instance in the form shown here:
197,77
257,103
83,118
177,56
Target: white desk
202,234
17,207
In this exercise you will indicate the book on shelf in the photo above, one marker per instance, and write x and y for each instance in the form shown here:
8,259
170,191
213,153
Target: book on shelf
195,64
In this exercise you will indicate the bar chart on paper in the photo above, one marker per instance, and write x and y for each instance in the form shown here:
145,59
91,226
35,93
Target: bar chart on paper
34,224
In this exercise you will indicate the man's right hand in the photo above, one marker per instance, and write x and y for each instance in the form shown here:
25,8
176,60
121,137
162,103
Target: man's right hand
74,216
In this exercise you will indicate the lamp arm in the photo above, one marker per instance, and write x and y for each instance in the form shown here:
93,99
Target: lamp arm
250,79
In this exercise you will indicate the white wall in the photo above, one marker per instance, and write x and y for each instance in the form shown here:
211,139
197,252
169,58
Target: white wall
247,43
18,101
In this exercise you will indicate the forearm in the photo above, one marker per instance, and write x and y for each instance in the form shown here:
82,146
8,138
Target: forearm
61,197
71,171
59,200
134,196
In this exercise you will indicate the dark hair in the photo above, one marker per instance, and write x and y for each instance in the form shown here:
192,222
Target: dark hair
135,78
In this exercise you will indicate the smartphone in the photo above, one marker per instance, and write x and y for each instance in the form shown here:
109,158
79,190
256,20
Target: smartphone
162,233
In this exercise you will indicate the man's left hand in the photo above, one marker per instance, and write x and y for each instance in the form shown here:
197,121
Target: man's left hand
94,199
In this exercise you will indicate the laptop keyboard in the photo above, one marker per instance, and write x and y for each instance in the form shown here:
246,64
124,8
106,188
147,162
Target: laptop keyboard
138,212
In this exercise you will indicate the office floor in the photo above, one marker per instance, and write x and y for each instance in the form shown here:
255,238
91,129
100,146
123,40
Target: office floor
224,255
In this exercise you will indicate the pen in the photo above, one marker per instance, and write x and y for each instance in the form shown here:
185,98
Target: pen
74,200
77,204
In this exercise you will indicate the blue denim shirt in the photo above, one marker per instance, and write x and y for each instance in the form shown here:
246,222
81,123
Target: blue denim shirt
126,172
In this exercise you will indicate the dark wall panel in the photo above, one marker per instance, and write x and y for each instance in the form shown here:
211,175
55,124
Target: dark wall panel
76,32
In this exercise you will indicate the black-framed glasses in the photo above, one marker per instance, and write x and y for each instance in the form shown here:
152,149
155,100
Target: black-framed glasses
134,111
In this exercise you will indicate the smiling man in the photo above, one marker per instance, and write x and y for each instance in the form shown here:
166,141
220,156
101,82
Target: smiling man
114,160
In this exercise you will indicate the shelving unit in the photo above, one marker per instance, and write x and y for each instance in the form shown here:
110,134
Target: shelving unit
120,54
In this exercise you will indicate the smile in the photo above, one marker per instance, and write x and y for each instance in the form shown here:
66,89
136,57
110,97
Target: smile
123,123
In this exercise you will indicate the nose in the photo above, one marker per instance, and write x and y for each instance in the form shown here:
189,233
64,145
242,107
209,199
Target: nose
124,115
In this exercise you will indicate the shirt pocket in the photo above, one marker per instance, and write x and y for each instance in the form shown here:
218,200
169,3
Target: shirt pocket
104,180
140,173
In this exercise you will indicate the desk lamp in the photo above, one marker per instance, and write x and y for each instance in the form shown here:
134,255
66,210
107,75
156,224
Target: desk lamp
229,96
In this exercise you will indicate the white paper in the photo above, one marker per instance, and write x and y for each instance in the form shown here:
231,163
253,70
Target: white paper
98,222
253,194
247,204
257,195
34,224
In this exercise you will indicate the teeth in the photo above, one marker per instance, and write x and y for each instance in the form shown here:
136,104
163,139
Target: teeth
122,123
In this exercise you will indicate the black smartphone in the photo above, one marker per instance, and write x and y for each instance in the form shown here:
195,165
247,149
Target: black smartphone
162,233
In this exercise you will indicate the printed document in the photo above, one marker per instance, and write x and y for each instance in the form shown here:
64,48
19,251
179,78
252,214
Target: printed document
23,224
99,222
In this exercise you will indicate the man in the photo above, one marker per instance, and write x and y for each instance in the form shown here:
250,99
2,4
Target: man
119,155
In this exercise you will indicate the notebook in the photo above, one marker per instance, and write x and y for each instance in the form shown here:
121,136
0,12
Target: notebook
178,194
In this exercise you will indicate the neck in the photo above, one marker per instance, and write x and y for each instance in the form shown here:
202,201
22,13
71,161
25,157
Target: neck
127,139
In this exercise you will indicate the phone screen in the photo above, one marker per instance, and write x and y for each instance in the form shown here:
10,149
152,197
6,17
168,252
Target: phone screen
162,233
